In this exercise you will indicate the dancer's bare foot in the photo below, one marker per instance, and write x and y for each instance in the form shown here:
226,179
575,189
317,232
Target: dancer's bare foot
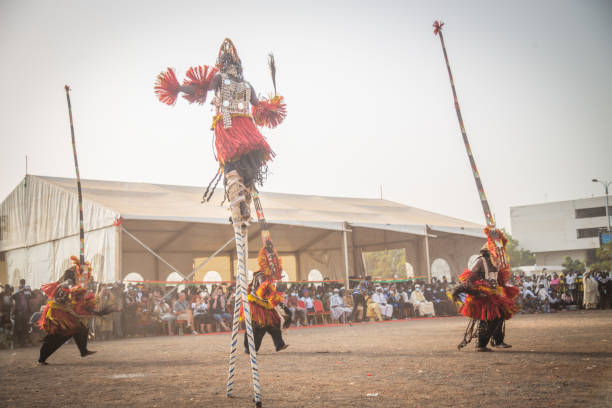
281,348
42,363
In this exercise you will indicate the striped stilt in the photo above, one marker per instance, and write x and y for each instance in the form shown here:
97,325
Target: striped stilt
240,232
235,328
242,271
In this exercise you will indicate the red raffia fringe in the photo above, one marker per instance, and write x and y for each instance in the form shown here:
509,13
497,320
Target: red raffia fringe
167,87
240,138
492,302
198,78
270,112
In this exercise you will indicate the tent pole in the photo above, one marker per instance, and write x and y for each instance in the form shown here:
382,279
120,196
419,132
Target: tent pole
427,254
155,254
119,253
204,262
346,259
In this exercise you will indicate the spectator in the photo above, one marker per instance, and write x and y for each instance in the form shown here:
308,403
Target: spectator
420,304
385,308
544,298
372,308
183,312
567,299
163,313
298,314
591,291
555,283
359,294
21,313
217,308
338,310
118,314
104,324
201,315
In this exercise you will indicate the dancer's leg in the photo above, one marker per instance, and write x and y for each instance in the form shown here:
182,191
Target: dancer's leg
81,341
277,337
50,344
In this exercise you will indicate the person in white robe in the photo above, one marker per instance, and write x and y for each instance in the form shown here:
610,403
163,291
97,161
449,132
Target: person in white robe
421,306
591,291
385,308
337,308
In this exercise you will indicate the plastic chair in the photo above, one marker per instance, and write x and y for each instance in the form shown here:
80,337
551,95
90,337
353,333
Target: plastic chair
320,311
310,316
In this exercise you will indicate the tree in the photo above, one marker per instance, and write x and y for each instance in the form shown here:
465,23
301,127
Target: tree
603,258
573,265
518,256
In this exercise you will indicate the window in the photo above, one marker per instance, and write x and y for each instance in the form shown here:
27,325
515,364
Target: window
409,270
315,275
587,232
591,212
440,268
132,276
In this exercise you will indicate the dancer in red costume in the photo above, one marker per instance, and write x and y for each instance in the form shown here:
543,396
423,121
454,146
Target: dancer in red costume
67,313
489,300
268,313
242,152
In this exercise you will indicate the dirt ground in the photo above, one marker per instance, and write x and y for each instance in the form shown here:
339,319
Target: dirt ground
557,360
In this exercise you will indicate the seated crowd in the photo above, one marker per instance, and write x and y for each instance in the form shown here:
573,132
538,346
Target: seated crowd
149,310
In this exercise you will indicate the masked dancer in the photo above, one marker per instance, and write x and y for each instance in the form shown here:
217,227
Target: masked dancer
489,300
67,312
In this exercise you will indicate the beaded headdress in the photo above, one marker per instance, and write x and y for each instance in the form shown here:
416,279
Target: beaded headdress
228,61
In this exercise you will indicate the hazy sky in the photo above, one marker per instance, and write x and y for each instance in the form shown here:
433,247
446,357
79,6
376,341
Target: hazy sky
368,96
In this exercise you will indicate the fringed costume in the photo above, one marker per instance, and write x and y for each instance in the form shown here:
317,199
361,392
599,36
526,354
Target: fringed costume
243,155
268,313
240,147
67,312
489,301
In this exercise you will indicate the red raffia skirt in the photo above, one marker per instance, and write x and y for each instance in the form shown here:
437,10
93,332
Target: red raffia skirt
57,319
262,313
240,138
494,303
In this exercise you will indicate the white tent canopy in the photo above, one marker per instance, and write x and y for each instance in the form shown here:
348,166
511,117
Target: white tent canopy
40,230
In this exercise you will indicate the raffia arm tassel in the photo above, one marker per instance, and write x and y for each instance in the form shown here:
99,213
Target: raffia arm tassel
198,81
167,87
270,112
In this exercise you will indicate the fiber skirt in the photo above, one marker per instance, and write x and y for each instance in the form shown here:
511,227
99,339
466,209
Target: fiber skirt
239,139
491,303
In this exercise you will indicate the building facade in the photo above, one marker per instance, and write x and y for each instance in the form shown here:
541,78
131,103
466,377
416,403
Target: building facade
558,229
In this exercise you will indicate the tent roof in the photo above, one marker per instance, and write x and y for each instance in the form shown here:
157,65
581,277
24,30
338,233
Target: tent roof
144,201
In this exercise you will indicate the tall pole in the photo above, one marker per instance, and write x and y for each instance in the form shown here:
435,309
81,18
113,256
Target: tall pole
492,232
78,176
483,198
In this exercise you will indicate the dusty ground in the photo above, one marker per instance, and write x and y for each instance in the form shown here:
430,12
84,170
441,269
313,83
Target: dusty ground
558,360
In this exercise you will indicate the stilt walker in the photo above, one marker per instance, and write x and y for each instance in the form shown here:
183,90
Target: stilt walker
489,301
242,153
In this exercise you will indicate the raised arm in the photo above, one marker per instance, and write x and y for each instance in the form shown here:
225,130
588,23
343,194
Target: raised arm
199,81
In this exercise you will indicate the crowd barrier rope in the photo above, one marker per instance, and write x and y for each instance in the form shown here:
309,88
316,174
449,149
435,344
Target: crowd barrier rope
152,282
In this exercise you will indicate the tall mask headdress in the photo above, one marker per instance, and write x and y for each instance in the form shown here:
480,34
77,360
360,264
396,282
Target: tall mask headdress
228,61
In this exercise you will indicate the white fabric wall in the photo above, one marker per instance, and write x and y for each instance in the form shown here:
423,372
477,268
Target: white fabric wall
43,263
38,211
